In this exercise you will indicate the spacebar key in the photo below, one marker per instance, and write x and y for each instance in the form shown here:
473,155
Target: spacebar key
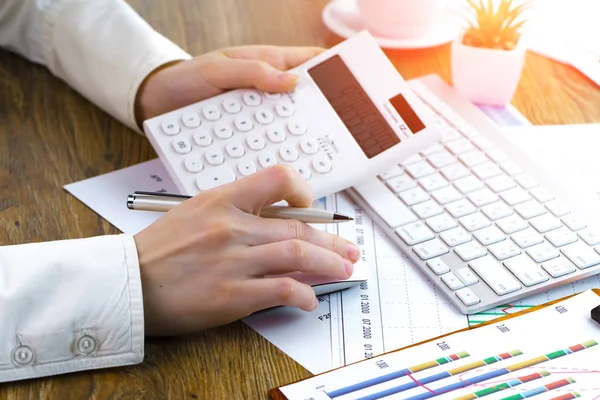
385,203
495,275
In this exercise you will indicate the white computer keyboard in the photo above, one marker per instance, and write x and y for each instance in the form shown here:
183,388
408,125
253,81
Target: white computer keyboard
477,216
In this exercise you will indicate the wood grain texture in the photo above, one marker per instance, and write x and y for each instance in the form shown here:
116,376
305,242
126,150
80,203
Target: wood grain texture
51,136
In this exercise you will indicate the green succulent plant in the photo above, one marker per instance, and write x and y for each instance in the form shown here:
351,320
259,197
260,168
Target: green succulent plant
494,26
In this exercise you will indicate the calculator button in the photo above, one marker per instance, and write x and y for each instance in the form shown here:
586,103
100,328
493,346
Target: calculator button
264,117
296,128
276,134
284,109
272,96
266,160
191,120
232,106
235,149
244,124
288,153
222,131
193,164
211,113
214,157
202,138
302,170
214,177
321,164
170,127
309,145
182,146
256,141
246,168
251,98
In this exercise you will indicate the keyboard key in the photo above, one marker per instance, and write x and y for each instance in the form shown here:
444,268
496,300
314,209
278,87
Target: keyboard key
214,177
420,169
541,194
542,252
474,222
415,233
512,224
459,146
264,117
495,275
214,156
559,267
193,164
482,197
526,181
466,276
267,160
515,196
460,208
413,196
467,296
385,203
530,209
452,281
251,98
473,158
191,120
433,182
527,238
497,155
468,184
470,251
455,237
500,183
243,124
455,171
510,168
322,164
489,235
430,249
232,106
497,210
446,195
277,135
591,237
486,170
504,249
438,266
441,159
309,145
581,255
428,209
202,138
574,223
391,173
526,270
561,237
557,208
235,149
441,223
211,113
182,146
246,168
296,128
545,223
170,127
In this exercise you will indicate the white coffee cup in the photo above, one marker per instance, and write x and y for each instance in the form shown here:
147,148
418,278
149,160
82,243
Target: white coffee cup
401,19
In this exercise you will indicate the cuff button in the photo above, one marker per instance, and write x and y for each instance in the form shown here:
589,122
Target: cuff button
22,356
86,345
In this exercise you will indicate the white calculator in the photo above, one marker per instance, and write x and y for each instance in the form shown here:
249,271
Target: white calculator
351,117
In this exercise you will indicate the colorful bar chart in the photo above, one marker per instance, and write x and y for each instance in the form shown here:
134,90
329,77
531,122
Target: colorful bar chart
568,396
397,374
542,389
505,385
442,375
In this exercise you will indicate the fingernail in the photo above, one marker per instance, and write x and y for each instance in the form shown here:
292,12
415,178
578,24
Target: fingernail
288,78
353,252
349,268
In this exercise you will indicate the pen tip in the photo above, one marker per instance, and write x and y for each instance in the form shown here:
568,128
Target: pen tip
340,217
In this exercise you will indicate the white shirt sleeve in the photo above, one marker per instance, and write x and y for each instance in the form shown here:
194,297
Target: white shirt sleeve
101,48
69,305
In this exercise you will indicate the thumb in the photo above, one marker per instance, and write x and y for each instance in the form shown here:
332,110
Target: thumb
235,73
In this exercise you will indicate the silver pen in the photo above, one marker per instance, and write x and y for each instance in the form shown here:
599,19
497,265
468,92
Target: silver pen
156,201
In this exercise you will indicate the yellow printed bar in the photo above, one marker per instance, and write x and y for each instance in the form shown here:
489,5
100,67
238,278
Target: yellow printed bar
466,368
424,366
527,363
469,396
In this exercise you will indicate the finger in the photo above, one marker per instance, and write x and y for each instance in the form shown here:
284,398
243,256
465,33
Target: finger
277,230
295,256
266,187
280,57
262,293
228,73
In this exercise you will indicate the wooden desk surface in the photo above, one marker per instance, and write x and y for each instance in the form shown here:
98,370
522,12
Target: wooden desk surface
51,136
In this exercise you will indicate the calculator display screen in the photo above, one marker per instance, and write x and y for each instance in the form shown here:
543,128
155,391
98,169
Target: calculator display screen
362,118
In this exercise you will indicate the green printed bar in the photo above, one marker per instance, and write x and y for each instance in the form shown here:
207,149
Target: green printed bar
556,354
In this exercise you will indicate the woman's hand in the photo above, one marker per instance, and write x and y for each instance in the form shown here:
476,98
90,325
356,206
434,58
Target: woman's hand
203,264
186,82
